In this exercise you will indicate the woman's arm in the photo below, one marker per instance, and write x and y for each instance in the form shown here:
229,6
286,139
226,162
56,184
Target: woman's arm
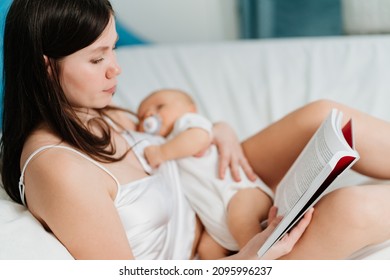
74,199
231,154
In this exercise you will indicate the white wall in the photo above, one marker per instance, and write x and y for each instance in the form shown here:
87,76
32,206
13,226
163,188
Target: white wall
366,16
177,21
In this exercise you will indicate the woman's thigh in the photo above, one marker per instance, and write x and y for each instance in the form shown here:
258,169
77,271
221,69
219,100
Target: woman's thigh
273,150
345,221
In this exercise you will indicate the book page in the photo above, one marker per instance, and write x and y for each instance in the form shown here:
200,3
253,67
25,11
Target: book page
326,147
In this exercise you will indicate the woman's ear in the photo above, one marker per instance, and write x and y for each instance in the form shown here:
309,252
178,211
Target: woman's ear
48,65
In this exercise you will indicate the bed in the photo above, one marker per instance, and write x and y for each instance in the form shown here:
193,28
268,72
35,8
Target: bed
245,83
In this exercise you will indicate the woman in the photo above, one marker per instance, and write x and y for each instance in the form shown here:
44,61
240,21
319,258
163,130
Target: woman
79,166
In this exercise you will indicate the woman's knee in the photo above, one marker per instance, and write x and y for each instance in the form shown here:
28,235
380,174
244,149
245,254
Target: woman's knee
320,108
308,117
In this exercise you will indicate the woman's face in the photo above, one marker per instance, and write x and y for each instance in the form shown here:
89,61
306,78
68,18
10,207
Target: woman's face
89,76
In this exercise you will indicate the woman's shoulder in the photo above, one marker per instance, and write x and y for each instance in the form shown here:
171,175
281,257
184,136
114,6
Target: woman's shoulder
59,167
40,137
41,150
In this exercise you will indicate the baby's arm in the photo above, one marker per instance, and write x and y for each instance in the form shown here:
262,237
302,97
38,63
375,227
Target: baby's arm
187,143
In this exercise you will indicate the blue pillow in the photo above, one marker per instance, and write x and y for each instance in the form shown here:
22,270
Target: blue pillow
126,36
4,5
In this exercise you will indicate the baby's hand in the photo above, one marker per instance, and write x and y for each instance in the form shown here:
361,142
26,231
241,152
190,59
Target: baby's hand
154,156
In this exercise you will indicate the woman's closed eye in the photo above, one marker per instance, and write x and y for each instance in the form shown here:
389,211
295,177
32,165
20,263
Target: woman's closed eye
96,61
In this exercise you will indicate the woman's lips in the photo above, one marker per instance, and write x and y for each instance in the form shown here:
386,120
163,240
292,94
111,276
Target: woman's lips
110,90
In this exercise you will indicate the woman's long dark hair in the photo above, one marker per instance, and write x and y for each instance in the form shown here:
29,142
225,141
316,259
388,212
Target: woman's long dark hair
55,29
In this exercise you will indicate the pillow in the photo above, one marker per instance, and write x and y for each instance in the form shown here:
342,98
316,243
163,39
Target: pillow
3,194
23,237
4,5
126,36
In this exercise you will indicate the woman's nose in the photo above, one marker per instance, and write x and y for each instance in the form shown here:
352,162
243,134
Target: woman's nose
113,71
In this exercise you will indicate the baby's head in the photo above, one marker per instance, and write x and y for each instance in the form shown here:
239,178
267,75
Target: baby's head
168,105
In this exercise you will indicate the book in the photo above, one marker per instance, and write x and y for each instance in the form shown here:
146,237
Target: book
328,154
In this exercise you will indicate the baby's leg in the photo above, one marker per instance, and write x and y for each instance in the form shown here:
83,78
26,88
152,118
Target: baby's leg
209,249
246,210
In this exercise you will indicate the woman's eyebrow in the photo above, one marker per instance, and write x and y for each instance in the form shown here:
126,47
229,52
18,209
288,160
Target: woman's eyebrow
104,48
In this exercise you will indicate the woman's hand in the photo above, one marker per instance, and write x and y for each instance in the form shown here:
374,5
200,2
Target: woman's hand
288,241
283,246
230,152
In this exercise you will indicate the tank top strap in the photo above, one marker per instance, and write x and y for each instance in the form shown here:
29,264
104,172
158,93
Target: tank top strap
138,146
21,179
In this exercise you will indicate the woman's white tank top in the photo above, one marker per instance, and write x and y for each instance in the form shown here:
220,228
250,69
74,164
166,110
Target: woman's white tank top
158,220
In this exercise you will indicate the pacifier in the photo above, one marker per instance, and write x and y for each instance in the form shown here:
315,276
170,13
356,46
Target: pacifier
152,124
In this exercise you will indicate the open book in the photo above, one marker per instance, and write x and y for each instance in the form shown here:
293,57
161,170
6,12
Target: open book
328,154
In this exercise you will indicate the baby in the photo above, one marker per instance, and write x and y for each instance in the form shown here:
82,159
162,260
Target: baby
230,211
